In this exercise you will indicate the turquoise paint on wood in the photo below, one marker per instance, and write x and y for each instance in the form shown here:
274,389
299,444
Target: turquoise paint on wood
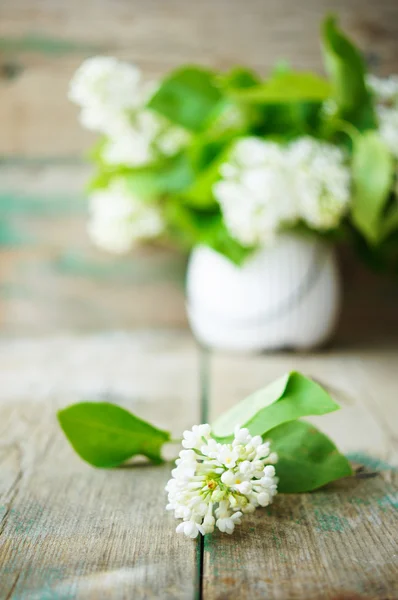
8,291
124,270
14,203
370,462
388,501
45,44
330,523
10,236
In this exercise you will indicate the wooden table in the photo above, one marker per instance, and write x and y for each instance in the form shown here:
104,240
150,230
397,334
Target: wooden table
70,531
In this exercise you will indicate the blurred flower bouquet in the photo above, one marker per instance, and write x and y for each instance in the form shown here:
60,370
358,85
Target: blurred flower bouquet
255,175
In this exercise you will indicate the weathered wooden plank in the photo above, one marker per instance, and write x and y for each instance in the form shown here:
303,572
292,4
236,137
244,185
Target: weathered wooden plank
68,530
352,376
78,532
334,544
375,375
340,542
42,42
53,278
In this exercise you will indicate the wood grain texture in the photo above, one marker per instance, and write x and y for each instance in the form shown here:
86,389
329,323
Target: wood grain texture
68,530
363,382
337,543
43,41
53,278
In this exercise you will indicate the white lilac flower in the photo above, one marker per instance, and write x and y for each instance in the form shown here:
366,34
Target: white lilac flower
256,192
388,127
322,181
112,97
119,219
132,143
143,138
214,484
385,91
267,186
105,88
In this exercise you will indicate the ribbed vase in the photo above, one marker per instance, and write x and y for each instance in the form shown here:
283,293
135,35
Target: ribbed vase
285,296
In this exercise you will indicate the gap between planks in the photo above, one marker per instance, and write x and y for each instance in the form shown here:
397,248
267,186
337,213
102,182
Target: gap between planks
205,357
339,542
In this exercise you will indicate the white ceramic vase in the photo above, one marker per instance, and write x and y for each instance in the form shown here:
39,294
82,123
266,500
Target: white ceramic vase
285,296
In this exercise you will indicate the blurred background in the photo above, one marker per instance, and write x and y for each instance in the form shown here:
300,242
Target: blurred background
51,278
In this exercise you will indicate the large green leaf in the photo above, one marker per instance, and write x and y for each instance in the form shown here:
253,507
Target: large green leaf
188,97
307,458
347,72
106,435
288,86
372,173
286,399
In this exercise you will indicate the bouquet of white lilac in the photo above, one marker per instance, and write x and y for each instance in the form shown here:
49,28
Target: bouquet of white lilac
231,160
258,177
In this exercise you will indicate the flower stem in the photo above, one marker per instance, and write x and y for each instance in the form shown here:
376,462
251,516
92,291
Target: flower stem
174,441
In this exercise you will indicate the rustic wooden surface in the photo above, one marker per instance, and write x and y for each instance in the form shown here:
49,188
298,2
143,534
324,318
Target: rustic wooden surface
339,542
53,279
70,531
43,41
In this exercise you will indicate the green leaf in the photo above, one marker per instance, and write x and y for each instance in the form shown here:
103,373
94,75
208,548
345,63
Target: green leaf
167,176
106,435
286,399
96,151
346,68
383,257
287,86
281,66
239,78
372,173
194,227
222,242
389,224
307,458
237,117
188,97
200,193
205,148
